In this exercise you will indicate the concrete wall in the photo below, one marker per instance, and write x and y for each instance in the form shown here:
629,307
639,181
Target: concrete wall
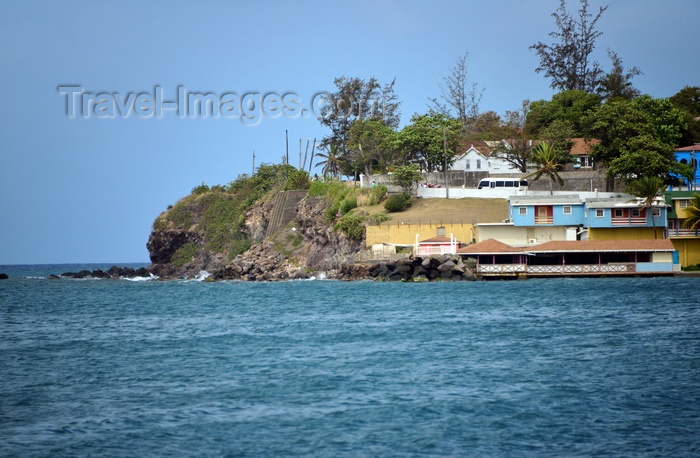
405,234
688,250
624,233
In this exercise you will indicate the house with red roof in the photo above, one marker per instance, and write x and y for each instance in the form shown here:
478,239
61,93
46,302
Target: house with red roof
573,258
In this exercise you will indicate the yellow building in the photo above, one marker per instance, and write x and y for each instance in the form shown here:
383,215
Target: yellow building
686,241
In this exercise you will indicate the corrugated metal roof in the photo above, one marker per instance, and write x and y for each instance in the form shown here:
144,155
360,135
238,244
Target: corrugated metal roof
565,199
489,246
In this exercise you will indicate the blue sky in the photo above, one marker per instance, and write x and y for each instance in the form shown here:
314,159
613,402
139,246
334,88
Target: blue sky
87,188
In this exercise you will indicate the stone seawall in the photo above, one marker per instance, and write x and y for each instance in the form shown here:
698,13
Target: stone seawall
446,268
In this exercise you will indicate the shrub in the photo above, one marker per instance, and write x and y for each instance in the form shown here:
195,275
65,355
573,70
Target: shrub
297,179
184,254
378,194
397,203
352,225
377,218
201,189
348,204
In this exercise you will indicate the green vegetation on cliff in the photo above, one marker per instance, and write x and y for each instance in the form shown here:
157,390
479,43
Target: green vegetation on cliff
342,204
217,213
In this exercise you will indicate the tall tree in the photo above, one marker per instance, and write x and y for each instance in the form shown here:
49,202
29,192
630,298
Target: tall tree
548,164
647,188
568,60
356,99
688,100
422,140
330,162
617,84
370,144
637,137
460,98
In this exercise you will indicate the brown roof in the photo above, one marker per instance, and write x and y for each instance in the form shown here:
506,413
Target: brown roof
492,246
695,147
604,245
489,246
582,145
480,146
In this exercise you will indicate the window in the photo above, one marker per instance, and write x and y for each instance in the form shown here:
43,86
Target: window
478,163
522,210
683,204
655,212
466,164
599,213
586,161
618,213
635,213
567,209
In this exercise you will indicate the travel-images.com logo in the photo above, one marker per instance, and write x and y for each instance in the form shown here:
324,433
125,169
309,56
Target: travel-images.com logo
249,107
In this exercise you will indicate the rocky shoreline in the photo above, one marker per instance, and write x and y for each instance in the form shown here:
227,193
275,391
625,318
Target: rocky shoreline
113,272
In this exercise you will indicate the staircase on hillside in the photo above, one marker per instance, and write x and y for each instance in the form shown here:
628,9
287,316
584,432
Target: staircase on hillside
284,210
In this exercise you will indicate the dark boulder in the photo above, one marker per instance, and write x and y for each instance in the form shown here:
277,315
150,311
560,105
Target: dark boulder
4,276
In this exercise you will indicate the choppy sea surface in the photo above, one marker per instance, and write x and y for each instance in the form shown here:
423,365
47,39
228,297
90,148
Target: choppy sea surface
551,367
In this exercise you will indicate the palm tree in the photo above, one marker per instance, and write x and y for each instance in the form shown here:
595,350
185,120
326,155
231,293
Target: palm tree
547,158
693,212
331,162
647,188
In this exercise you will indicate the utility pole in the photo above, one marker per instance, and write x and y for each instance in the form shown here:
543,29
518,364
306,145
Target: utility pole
313,149
253,164
444,151
286,135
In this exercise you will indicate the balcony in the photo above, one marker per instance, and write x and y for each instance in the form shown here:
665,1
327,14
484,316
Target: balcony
683,232
544,220
630,221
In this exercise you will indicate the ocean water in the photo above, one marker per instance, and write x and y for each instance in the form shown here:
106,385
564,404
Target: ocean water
555,367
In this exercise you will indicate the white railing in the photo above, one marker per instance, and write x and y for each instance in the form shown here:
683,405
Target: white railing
436,250
624,221
501,268
684,232
556,269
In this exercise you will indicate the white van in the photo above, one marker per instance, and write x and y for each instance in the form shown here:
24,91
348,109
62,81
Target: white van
492,183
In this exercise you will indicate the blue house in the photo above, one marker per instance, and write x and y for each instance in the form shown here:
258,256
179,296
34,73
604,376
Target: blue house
563,210
625,213
690,155
537,219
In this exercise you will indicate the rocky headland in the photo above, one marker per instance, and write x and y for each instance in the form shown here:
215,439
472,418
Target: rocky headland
279,235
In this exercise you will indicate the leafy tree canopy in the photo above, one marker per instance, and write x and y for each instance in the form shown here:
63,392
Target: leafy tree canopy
568,107
406,176
637,137
421,141
688,100
370,145
356,99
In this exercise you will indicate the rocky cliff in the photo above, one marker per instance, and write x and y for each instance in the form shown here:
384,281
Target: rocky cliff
305,246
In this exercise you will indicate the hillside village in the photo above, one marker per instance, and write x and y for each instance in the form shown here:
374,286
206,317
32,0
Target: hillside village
576,231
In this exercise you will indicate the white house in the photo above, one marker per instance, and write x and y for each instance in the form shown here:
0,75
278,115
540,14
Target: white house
480,157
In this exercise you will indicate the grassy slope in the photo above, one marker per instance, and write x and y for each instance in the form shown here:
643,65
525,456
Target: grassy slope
470,210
